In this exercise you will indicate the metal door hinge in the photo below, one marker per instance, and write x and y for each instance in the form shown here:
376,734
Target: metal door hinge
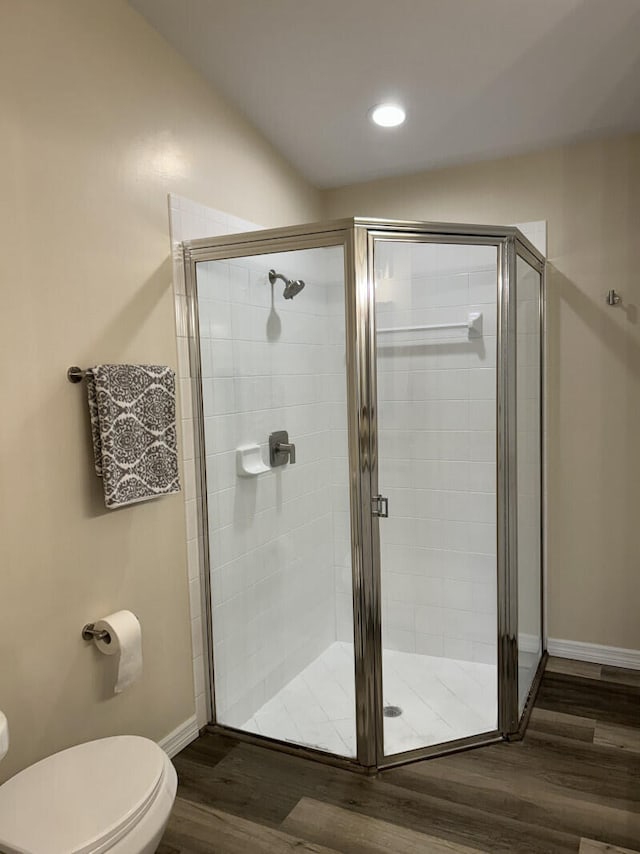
380,506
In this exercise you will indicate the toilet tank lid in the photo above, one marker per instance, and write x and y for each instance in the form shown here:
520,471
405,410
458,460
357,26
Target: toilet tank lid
82,799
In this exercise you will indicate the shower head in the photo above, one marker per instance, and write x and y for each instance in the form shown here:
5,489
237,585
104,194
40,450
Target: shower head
291,287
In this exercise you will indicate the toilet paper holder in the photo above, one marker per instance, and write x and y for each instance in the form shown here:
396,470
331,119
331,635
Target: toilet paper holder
89,633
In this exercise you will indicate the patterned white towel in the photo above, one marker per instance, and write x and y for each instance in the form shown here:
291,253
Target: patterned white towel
133,425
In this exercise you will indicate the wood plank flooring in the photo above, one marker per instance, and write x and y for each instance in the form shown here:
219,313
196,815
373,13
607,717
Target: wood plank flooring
571,785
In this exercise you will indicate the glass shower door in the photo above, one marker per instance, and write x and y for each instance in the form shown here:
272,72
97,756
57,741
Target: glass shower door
272,353
436,314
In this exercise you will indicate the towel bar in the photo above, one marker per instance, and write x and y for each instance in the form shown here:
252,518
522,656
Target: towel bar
473,325
89,632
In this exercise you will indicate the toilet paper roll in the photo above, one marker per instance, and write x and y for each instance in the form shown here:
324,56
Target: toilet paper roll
126,641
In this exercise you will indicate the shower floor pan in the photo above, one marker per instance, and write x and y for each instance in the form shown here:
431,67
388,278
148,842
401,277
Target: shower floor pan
440,699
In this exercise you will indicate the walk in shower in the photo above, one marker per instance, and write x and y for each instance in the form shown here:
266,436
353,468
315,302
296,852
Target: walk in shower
369,401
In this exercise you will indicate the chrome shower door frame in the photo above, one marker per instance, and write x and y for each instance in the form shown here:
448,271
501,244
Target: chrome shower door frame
358,237
315,235
505,240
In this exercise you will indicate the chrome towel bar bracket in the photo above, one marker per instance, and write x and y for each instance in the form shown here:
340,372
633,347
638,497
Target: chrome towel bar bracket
75,374
613,298
89,633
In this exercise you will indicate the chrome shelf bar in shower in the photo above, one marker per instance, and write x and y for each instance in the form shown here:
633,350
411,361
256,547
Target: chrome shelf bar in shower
473,325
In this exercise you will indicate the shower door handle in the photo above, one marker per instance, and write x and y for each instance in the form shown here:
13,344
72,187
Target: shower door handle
380,506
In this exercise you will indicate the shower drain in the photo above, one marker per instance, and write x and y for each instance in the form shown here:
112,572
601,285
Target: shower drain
392,711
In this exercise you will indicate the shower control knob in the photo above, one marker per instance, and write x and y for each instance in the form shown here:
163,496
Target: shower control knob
281,451
283,447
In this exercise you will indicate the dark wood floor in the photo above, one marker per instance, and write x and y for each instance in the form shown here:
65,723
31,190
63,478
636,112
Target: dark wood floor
572,785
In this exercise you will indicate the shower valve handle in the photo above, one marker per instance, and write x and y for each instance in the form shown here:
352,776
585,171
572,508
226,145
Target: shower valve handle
287,448
281,450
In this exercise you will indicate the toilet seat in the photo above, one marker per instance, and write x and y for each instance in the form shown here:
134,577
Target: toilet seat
82,800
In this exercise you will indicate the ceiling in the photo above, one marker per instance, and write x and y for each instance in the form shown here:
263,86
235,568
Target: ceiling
478,78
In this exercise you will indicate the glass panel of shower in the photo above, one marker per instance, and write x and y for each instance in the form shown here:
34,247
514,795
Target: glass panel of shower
368,398
436,314
272,344
529,471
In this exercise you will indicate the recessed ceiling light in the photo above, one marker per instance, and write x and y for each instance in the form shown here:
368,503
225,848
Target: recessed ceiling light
388,115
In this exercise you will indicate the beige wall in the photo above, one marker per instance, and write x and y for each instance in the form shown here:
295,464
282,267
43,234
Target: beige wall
99,120
590,195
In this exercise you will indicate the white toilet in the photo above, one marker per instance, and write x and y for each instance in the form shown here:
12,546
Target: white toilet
112,795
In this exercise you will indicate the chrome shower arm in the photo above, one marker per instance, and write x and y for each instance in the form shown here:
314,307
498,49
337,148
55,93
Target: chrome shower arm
273,277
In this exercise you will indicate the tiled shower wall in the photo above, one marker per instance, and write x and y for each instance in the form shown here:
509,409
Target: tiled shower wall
270,364
339,465
437,455
436,410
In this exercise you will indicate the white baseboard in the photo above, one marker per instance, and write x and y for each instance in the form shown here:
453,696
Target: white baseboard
614,656
180,737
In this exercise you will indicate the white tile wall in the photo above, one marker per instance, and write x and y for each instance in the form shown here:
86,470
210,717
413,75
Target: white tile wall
436,411
272,553
536,232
